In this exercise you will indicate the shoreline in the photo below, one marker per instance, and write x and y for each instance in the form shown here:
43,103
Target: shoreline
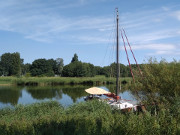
53,81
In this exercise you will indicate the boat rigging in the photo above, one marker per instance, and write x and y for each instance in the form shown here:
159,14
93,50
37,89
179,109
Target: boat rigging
119,103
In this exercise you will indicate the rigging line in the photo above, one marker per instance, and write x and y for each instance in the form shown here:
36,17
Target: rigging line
127,55
114,39
109,42
108,45
132,53
112,52
129,64
113,49
112,56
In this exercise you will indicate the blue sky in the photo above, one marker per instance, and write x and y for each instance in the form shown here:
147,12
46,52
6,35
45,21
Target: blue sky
59,28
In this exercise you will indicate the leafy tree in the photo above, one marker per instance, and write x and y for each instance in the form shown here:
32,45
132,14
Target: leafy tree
91,71
11,64
6,64
1,70
98,70
59,64
53,64
160,77
25,68
111,71
16,62
42,67
75,58
78,69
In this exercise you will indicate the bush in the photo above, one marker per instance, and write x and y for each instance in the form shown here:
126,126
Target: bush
160,77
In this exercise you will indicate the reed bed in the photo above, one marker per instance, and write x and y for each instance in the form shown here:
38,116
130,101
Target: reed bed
28,81
86,118
7,80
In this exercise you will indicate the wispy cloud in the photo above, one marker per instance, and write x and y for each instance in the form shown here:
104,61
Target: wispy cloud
165,8
158,47
40,23
176,14
153,36
46,22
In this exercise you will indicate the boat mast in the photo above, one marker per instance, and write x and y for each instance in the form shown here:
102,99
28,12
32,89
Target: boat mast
117,53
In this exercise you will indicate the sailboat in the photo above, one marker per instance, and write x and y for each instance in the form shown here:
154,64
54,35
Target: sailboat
114,100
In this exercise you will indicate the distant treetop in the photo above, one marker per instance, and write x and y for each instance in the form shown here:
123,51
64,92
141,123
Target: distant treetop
75,58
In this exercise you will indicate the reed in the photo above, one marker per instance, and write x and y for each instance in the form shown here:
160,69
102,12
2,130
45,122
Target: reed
7,80
88,118
28,81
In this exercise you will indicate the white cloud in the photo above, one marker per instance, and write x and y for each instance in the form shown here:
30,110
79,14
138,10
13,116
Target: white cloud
163,50
159,47
176,15
153,36
165,53
165,8
91,39
142,19
39,22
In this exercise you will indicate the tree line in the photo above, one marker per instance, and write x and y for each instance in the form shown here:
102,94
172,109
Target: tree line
11,64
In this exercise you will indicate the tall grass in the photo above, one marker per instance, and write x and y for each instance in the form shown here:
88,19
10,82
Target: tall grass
85,118
98,80
7,80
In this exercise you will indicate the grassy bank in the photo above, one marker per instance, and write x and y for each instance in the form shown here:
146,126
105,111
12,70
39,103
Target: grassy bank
7,80
26,81
86,118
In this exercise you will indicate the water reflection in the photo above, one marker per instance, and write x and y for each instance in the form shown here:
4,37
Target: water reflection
44,92
75,92
66,95
9,94
124,93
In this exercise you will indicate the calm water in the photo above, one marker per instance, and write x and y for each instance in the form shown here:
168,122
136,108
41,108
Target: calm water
66,95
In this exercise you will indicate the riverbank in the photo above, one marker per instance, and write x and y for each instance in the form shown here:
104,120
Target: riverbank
43,81
86,118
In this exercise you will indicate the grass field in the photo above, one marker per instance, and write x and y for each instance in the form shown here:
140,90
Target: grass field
26,81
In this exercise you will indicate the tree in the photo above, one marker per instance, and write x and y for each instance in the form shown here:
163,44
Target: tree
160,77
78,69
59,64
97,70
25,68
42,67
75,58
11,64
6,64
16,64
53,65
111,70
1,69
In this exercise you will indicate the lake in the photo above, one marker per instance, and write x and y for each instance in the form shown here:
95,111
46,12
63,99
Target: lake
65,95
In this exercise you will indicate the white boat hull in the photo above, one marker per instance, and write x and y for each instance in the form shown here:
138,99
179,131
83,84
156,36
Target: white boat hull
122,105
